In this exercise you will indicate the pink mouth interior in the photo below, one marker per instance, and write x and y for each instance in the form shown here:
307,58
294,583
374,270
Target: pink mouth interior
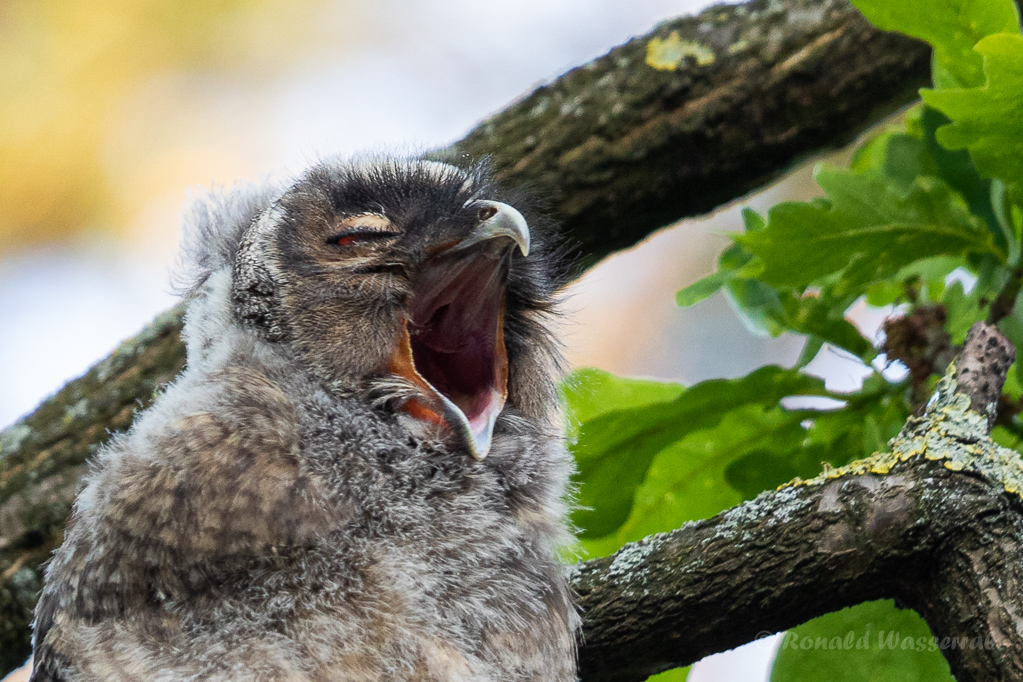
456,333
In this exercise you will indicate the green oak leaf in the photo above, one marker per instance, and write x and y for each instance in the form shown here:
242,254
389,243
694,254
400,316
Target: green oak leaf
929,276
988,120
835,437
953,27
871,642
757,305
956,167
587,393
730,261
702,288
863,232
686,479
705,464
767,311
676,675
614,449
901,157
896,156
962,310
822,317
755,447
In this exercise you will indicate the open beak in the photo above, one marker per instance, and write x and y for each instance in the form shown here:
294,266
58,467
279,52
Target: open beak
452,347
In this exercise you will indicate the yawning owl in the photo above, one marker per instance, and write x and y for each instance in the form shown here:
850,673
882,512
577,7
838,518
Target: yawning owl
359,476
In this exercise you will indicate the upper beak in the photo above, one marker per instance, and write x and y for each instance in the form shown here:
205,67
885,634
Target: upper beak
500,220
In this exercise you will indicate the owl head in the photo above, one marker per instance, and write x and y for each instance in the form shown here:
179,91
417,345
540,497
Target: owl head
408,274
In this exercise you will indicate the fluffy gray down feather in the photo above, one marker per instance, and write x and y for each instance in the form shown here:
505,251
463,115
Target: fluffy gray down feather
264,520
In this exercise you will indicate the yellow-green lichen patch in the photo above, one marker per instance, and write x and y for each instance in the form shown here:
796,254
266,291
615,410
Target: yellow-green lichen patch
951,433
670,53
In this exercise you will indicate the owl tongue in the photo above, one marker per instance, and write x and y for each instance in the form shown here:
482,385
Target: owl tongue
455,342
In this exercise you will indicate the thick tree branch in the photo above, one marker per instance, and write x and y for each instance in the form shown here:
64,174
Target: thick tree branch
623,148
617,147
936,524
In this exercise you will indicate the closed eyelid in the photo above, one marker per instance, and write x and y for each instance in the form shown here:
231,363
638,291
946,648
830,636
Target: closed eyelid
365,222
363,227
356,234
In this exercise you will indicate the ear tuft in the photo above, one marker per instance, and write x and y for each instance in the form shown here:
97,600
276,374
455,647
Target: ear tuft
213,224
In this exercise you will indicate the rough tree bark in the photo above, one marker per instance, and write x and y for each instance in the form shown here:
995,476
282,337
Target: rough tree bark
672,124
700,111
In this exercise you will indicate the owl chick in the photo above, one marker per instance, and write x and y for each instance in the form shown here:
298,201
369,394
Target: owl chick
359,475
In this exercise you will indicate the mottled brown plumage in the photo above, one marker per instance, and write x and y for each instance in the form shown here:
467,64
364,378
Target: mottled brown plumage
318,496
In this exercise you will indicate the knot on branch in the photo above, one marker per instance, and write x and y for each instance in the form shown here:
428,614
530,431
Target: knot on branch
982,366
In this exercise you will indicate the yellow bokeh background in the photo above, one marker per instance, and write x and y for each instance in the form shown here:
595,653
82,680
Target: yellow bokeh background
71,159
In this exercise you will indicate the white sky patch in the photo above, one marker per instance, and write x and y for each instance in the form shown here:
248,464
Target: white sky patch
63,310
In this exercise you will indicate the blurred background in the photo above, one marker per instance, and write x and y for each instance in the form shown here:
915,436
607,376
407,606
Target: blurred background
111,110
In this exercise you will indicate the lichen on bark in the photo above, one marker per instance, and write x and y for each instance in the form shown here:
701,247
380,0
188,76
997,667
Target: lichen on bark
952,432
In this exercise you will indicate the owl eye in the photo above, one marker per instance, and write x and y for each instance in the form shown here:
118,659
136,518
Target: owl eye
358,235
361,228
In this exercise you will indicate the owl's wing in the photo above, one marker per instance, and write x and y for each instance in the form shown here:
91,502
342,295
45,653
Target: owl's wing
213,492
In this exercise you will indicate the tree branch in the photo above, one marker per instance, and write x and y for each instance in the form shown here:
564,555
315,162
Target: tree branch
617,147
623,149
937,524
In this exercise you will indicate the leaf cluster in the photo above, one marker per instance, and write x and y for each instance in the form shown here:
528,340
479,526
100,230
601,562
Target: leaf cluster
926,223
